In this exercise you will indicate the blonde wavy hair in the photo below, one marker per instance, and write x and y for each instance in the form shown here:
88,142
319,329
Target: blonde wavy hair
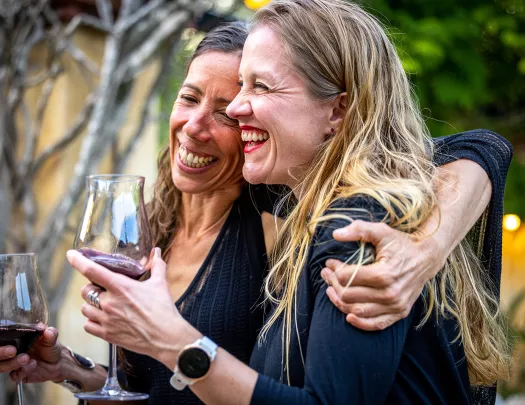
381,150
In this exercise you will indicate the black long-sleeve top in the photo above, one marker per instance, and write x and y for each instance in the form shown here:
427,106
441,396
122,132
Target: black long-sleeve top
399,365
221,302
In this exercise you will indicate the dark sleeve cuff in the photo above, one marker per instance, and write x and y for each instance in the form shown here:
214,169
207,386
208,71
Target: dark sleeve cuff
270,392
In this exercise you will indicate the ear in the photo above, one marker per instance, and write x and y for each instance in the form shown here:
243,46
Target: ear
338,110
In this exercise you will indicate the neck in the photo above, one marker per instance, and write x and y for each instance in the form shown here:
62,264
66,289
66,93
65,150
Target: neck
206,212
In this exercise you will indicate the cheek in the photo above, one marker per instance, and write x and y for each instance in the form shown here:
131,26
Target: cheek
231,144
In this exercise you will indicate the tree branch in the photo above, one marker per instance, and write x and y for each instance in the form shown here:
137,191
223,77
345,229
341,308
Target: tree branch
70,136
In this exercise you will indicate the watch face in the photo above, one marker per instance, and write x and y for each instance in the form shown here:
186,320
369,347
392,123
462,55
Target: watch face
194,362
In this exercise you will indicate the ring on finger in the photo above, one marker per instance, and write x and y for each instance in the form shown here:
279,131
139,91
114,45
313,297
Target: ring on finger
93,299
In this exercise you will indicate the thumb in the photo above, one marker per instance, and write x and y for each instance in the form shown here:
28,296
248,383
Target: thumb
158,267
49,337
371,232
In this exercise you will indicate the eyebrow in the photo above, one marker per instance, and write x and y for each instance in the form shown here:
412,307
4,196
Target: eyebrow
262,73
198,90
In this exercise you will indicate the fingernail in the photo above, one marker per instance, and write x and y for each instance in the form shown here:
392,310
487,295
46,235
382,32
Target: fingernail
340,233
324,273
10,351
23,358
158,252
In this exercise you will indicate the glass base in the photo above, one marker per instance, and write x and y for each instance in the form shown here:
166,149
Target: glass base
111,395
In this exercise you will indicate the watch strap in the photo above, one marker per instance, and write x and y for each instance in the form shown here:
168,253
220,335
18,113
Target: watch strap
179,381
72,385
84,362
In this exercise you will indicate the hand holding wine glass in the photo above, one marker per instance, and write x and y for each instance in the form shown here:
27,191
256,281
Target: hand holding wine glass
134,315
114,233
23,308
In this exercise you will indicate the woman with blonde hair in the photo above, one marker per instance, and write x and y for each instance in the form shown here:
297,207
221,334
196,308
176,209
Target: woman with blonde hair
325,108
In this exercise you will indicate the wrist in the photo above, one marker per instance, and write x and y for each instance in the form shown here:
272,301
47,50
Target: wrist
67,366
180,335
435,250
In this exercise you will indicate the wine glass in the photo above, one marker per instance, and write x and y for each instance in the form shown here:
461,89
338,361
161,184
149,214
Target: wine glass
23,307
114,232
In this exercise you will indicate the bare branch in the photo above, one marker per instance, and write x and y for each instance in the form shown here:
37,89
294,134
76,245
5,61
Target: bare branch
82,59
87,20
69,137
105,11
31,141
144,53
125,23
148,106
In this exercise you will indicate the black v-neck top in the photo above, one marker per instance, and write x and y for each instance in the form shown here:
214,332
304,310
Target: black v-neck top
222,301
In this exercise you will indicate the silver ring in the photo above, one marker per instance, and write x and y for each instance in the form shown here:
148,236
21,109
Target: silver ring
93,299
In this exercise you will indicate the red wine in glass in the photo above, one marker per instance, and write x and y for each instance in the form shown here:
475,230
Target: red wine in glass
18,335
115,262
23,307
114,232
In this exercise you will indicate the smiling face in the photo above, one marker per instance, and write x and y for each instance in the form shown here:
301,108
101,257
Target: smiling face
282,124
205,144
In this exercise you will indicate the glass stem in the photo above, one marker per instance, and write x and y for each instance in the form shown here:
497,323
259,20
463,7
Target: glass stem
112,380
20,391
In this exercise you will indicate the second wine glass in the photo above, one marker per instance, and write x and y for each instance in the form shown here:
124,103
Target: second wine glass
23,307
114,232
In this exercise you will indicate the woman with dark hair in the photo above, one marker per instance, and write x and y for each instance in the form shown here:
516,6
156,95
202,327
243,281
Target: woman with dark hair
214,230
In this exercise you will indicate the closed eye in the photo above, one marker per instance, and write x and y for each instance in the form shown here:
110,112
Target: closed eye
259,85
188,99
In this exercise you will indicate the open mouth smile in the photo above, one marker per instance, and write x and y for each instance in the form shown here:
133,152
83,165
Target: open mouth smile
254,138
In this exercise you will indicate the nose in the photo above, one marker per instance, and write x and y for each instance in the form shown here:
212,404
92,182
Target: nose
240,107
197,126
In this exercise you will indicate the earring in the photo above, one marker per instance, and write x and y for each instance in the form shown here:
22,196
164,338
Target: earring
333,130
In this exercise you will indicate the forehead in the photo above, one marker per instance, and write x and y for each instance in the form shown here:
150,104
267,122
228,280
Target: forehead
216,72
264,51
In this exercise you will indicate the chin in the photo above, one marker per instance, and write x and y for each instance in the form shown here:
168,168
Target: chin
187,186
252,176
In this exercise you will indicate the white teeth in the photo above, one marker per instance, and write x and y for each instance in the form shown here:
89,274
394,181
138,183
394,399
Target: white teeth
193,160
250,136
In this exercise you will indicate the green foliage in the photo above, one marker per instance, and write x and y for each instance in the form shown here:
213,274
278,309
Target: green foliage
467,62
466,58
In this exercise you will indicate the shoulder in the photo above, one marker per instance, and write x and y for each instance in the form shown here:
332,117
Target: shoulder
340,213
344,211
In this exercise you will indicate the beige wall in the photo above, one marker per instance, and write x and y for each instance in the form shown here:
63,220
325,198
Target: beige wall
67,100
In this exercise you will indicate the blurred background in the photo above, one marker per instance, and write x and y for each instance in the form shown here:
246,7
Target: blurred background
87,87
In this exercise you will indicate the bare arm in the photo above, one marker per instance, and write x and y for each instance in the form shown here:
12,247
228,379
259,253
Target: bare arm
384,292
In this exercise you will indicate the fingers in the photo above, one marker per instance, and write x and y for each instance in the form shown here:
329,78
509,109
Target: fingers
158,268
360,309
49,337
375,275
95,329
92,313
95,273
372,232
7,352
37,372
20,375
14,363
373,324
87,289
